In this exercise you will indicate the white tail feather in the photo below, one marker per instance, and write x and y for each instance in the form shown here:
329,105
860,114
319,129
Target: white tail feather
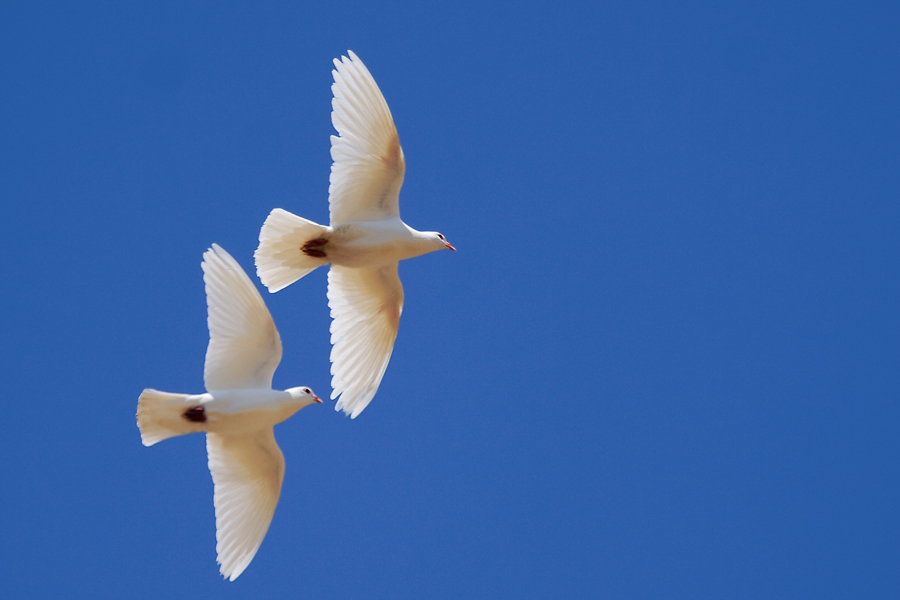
280,260
159,416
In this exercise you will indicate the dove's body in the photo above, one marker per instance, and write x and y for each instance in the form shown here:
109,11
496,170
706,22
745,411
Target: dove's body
364,243
373,243
237,413
231,411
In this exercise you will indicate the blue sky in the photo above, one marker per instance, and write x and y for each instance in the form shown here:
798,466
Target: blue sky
663,363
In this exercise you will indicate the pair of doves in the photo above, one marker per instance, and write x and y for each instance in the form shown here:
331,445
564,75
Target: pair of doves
363,244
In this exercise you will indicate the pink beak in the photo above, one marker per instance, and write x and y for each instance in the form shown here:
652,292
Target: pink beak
317,399
450,246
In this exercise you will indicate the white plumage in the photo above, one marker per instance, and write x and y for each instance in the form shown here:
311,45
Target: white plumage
237,413
364,242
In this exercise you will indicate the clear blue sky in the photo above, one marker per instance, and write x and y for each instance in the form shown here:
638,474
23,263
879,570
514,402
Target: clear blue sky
663,363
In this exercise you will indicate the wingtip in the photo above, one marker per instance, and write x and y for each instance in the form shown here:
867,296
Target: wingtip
351,411
348,59
231,576
216,252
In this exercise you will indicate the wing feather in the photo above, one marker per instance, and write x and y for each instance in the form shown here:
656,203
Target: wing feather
247,472
368,167
365,308
244,346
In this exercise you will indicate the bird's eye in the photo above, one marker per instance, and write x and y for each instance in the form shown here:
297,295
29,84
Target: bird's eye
307,390
440,236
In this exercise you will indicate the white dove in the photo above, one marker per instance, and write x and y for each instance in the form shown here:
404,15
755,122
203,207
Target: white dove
363,244
237,414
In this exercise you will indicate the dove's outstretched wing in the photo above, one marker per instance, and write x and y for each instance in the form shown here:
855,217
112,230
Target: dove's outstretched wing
247,472
365,308
368,161
244,346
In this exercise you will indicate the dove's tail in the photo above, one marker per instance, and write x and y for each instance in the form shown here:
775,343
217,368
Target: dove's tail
161,415
285,253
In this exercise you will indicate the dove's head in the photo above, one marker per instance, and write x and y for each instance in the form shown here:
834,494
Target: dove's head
441,242
304,395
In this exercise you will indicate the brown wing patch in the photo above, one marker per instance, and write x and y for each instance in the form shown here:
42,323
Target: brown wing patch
393,154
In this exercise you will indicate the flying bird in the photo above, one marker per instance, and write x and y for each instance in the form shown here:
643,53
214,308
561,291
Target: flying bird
237,413
364,242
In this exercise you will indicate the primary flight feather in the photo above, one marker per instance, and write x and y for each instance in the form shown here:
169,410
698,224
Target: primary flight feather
237,413
364,242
